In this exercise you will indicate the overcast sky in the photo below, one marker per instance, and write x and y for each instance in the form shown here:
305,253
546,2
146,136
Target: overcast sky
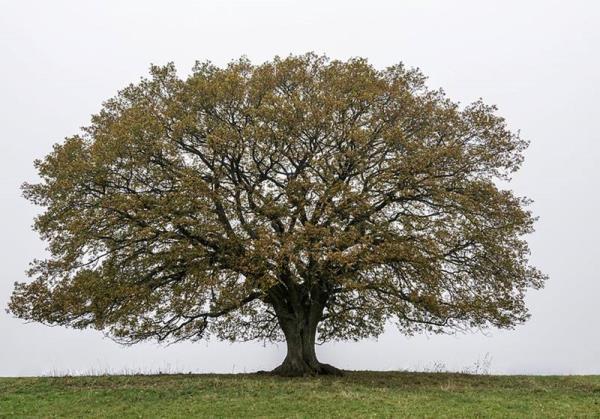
539,61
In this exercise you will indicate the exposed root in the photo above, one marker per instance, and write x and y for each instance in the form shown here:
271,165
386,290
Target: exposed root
302,369
326,369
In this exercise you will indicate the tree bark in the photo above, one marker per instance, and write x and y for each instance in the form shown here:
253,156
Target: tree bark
298,321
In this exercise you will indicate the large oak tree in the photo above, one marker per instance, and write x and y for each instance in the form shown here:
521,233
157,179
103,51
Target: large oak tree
301,199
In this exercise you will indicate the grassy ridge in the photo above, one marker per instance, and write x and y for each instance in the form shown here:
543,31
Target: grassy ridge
358,394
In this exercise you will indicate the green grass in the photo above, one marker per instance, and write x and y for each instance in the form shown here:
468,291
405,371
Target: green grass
358,394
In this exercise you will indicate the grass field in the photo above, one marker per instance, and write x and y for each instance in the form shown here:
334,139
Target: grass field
357,394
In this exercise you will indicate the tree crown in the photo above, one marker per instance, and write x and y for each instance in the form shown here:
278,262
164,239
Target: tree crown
199,205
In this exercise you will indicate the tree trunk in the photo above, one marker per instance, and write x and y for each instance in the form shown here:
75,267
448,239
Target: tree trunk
299,325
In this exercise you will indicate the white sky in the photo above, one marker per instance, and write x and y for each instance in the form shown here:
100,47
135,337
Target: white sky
539,61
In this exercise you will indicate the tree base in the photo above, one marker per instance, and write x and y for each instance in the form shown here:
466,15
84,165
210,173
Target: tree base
305,370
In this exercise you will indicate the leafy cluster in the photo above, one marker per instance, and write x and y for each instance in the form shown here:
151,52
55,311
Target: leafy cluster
196,205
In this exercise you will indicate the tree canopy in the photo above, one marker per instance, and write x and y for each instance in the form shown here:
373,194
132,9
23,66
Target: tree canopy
299,199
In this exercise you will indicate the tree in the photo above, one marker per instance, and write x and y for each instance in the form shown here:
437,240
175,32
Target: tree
299,199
